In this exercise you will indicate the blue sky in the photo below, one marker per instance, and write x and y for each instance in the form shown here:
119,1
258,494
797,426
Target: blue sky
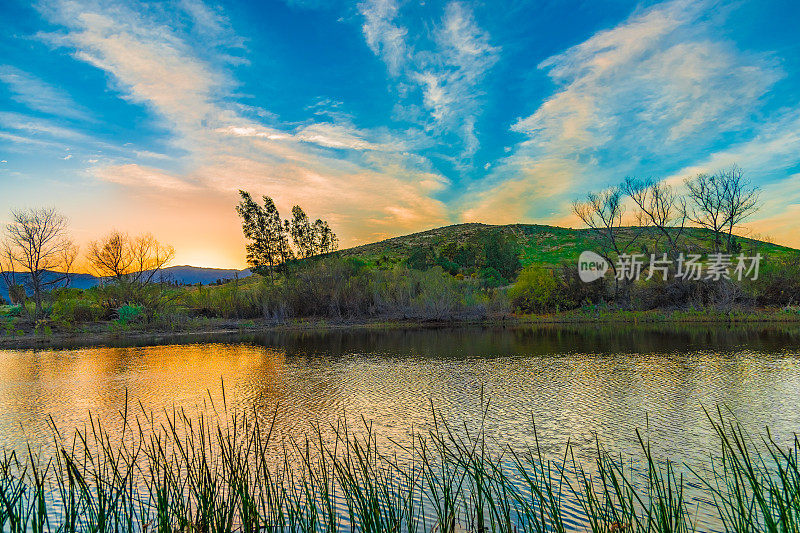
384,116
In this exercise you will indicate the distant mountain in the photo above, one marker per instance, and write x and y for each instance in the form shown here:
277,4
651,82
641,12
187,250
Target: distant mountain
183,274
190,275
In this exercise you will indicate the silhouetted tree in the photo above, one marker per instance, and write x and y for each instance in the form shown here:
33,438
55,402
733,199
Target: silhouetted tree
659,207
268,235
130,261
302,233
706,206
38,244
720,202
602,212
741,200
325,240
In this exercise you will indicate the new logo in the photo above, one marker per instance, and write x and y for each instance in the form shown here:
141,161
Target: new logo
591,266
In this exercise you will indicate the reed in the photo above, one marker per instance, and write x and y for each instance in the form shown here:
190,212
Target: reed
224,472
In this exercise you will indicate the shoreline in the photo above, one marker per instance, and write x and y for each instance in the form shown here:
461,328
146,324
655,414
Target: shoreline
105,333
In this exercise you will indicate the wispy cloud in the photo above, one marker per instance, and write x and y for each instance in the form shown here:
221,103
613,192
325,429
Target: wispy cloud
768,159
665,91
154,65
141,177
657,87
383,35
447,69
40,127
38,95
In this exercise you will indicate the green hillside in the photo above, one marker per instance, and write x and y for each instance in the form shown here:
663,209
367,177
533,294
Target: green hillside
546,245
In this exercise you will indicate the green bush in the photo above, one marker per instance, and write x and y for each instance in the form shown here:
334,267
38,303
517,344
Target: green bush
450,266
10,310
501,252
535,289
129,313
75,310
422,258
492,278
778,283
74,306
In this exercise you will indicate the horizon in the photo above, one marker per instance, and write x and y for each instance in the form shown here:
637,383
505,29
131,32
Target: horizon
384,117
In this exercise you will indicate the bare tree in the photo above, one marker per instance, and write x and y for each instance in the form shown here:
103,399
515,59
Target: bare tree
37,243
660,207
7,269
133,261
707,198
603,212
720,202
149,257
110,256
741,199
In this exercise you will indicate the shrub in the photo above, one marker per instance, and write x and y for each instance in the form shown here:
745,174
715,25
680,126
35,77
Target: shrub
73,306
439,297
574,292
129,313
778,283
451,267
534,290
492,278
10,310
16,293
501,253
421,258
75,310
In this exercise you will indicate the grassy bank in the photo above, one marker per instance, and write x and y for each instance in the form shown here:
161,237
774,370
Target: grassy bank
231,473
462,274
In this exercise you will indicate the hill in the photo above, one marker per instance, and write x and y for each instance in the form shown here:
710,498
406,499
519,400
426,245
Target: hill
547,245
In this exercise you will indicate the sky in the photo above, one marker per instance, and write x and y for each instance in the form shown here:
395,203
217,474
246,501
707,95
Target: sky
386,116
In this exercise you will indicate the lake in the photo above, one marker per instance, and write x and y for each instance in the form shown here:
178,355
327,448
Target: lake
574,383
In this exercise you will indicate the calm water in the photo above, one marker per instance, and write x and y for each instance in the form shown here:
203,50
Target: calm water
574,382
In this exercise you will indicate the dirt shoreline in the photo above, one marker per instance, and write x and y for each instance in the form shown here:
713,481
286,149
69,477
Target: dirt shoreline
105,333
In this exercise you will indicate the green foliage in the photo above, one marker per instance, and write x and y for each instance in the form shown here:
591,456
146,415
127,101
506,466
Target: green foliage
421,258
490,253
73,306
268,246
343,288
9,325
778,283
492,277
501,252
451,267
534,290
10,310
268,241
128,314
